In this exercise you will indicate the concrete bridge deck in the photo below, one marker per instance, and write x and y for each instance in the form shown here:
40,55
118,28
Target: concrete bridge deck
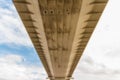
60,31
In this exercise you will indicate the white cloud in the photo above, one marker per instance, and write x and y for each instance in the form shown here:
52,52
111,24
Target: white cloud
12,30
12,68
101,58
89,69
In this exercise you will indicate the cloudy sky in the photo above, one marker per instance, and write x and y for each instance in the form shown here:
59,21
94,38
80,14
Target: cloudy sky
19,60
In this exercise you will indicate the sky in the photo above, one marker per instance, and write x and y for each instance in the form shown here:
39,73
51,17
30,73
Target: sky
19,60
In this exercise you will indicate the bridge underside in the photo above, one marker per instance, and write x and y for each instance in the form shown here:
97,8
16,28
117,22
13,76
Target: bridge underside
60,31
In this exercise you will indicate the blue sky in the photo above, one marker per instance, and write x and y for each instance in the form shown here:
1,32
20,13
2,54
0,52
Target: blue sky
15,45
19,60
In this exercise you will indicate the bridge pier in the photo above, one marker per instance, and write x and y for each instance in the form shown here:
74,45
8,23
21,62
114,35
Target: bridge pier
60,78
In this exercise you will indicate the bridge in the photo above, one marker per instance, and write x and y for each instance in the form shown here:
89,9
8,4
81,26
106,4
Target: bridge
60,31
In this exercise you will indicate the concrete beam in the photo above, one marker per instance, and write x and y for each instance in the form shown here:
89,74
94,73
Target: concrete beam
60,31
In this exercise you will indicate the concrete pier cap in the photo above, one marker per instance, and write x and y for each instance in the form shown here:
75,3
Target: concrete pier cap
59,78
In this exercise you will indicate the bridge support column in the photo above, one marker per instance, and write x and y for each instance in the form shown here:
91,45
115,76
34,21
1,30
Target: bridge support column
60,78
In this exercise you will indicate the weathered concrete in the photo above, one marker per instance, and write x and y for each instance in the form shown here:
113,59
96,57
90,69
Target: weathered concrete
60,31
